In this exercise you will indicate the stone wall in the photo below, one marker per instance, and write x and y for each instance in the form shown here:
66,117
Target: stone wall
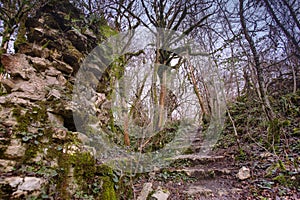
41,154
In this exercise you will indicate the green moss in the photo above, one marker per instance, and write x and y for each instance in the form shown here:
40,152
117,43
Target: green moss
104,170
108,192
46,44
281,179
106,176
107,31
63,172
84,167
274,131
32,115
31,152
23,121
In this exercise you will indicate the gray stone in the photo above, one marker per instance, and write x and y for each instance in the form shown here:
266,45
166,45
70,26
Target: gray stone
8,84
60,134
91,150
82,137
7,165
244,173
51,71
161,194
147,188
15,149
55,119
13,181
62,66
53,94
40,64
31,184
17,65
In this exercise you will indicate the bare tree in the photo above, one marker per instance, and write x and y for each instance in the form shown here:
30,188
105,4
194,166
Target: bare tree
289,25
257,64
13,14
184,16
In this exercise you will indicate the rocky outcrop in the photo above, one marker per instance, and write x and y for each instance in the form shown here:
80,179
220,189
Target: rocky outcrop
41,152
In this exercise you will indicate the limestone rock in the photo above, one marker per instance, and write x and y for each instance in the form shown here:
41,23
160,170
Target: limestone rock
244,173
160,194
13,181
28,96
60,134
34,50
62,66
31,184
19,194
50,81
147,188
7,165
15,149
51,71
39,64
82,137
8,84
15,100
71,149
17,65
56,120
53,94
78,40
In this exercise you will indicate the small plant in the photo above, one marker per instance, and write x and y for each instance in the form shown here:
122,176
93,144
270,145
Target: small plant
31,137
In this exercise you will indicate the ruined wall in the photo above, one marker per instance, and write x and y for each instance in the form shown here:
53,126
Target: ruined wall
41,154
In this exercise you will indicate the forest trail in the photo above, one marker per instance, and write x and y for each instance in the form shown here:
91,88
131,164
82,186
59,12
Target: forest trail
198,177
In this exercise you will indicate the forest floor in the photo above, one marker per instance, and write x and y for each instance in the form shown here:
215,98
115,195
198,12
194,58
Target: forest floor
274,166
212,177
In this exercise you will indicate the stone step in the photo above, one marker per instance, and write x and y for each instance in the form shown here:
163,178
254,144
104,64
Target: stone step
198,159
202,173
211,193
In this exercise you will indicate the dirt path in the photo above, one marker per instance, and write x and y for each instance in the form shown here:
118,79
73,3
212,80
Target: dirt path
198,177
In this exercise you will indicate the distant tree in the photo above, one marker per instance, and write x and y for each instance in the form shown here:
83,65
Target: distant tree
184,16
286,18
13,14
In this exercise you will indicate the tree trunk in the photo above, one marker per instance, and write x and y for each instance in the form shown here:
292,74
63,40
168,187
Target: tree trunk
259,72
